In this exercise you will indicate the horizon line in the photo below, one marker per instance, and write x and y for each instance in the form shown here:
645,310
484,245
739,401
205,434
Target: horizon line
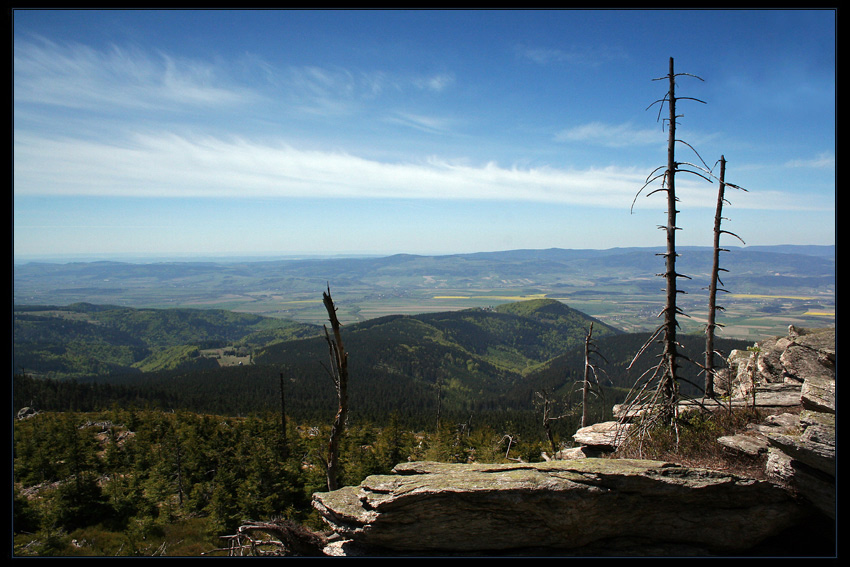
157,257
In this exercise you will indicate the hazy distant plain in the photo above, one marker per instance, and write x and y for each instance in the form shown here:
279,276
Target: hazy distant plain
768,288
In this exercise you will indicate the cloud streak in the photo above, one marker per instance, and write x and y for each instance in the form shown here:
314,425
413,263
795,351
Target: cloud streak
168,166
822,161
584,56
610,135
175,166
341,91
77,76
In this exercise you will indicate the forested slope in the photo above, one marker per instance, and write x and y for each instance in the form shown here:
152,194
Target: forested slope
83,339
481,362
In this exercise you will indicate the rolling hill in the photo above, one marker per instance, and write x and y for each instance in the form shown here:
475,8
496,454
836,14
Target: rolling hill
473,353
84,339
482,361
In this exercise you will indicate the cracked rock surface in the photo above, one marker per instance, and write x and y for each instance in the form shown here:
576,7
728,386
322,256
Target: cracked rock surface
589,504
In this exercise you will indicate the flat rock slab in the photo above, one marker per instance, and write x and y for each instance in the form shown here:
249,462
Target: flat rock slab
594,503
750,443
606,434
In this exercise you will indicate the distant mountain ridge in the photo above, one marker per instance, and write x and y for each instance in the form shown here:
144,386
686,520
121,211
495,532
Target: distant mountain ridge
180,283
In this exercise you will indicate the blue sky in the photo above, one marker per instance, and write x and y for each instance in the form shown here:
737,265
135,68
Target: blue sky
216,133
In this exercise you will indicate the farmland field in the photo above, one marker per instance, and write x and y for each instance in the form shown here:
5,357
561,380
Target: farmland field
769,288
744,316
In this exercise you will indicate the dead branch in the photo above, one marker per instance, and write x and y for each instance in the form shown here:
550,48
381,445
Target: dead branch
275,538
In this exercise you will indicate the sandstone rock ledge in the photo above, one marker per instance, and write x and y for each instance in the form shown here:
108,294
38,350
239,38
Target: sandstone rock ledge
579,507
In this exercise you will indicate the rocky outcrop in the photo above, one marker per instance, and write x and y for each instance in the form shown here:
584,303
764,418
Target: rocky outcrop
585,506
799,442
579,504
791,379
803,355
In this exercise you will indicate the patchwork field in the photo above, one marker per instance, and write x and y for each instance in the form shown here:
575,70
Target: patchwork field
744,316
769,287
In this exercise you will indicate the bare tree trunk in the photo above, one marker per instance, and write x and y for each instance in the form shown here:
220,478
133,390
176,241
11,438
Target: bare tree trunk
339,374
275,538
585,393
713,308
670,310
657,389
712,288
546,404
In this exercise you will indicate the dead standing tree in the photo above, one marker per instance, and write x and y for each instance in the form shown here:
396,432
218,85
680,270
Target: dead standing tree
590,386
338,372
659,403
547,404
713,288
590,370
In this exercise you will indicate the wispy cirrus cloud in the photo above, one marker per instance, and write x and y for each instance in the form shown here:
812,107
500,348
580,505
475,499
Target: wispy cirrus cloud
610,135
423,123
74,75
824,160
78,76
436,83
168,165
585,56
338,90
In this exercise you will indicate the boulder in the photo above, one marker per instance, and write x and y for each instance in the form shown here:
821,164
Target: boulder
813,445
580,452
585,506
792,380
769,364
774,395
